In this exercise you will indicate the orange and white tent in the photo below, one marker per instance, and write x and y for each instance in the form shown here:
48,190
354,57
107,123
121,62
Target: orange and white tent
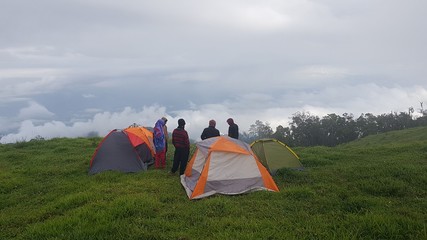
224,165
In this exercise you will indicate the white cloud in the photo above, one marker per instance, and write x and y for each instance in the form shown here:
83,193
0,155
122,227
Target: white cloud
101,123
325,73
10,75
26,82
88,95
93,110
244,16
30,52
358,99
35,111
246,59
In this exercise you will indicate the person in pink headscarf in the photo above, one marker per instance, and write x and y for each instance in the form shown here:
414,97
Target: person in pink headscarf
159,143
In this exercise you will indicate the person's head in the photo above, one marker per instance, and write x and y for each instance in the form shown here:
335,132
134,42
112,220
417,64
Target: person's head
230,121
212,123
165,120
181,122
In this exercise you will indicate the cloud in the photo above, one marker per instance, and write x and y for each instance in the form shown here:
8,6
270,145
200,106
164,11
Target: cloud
35,111
328,73
93,110
246,59
357,99
88,95
101,123
18,83
32,52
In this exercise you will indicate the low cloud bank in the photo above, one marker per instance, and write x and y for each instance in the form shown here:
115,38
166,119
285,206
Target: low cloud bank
245,109
101,123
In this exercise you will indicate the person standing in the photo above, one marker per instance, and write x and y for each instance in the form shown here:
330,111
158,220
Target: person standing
165,130
233,129
181,143
159,144
210,131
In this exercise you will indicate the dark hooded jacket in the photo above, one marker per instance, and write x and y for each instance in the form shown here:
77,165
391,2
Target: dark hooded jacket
233,129
209,132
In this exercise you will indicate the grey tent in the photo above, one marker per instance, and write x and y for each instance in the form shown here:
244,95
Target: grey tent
123,151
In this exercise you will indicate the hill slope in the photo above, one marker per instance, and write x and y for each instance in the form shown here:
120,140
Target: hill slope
373,188
410,136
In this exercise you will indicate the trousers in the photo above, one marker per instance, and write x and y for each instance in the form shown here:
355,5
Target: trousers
180,160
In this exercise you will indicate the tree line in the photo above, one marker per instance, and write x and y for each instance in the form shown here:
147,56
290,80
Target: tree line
309,130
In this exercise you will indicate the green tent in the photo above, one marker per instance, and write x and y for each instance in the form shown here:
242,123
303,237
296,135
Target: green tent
275,155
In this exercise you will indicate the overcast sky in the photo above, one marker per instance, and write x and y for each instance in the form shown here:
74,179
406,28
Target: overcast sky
71,67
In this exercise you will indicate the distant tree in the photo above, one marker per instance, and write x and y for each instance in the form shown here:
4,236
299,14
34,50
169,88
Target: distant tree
37,138
306,129
393,121
247,137
404,120
309,130
385,122
260,130
366,125
92,134
330,126
337,129
421,121
284,135
349,129
411,111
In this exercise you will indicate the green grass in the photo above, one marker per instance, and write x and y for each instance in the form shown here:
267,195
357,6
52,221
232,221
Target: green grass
373,188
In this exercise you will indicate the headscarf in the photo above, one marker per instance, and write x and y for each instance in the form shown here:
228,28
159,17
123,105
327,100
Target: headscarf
159,135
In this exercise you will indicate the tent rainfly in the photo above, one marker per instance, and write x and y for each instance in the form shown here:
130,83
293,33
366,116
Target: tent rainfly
129,150
224,165
275,155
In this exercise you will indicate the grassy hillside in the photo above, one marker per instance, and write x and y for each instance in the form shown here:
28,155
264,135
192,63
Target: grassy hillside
374,188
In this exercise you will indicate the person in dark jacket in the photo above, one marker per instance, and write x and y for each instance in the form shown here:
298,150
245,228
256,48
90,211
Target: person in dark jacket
210,131
233,129
181,143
